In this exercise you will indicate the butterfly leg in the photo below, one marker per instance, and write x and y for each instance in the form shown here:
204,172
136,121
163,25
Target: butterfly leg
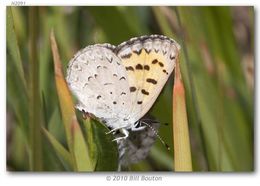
125,132
115,129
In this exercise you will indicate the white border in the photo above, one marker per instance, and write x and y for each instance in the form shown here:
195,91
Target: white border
28,179
136,2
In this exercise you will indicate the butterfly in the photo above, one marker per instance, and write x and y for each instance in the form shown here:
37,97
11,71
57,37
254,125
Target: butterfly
137,146
119,84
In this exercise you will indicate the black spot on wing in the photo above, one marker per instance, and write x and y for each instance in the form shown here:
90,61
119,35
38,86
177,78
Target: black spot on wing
138,52
161,64
164,71
150,80
144,92
147,50
132,89
139,67
89,78
99,96
146,67
155,61
172,57
129,68
85,85
122,78
164,52
139,102
110,59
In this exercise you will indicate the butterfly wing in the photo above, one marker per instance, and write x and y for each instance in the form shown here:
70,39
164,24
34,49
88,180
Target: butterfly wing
99,81
149,61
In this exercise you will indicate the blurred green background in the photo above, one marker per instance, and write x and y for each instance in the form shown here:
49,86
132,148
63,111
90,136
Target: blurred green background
217,64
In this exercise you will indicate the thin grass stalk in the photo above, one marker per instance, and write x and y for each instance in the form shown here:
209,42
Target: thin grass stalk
181,140
34,98
68,112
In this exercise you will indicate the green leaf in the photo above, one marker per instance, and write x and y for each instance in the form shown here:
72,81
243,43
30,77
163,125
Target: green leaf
106,151
12,45
93,153
62,153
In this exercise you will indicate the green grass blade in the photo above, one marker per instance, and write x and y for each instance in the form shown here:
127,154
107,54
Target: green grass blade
80,148
62,153
181,139
12,45
65,99
17,104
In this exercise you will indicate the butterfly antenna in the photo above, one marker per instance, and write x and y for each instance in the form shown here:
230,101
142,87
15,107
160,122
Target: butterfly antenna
154,121
156,133
151,120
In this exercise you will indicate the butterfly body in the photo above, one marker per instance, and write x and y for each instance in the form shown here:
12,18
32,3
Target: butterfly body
138,144
120,84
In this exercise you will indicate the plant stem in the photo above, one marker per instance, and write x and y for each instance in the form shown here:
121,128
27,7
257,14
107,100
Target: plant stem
34,98
181,140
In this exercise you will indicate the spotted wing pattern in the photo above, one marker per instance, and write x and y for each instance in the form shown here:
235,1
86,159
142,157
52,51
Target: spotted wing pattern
98,79
120,84
149,61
